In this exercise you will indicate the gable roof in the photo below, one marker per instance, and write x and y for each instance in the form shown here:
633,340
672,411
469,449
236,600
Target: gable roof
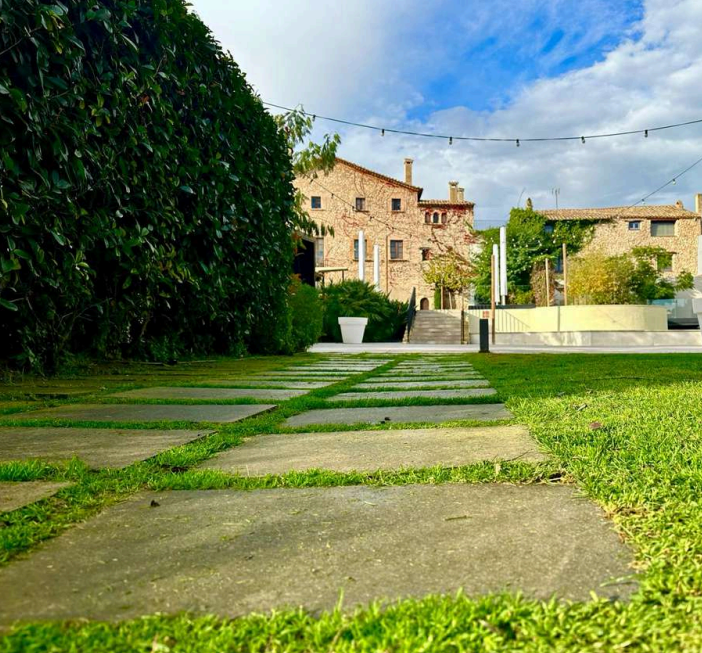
377,175
650,212
444,203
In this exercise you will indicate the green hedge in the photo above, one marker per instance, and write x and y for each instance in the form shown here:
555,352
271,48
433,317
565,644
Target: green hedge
146,199
386,317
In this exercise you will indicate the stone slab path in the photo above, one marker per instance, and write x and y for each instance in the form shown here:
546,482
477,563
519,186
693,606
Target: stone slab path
18,495
368,451
257,381
230,552
374,383
97,448
146,413
175,392
403,414
414,394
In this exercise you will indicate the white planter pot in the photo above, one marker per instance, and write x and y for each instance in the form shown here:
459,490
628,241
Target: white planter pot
697,308
352,329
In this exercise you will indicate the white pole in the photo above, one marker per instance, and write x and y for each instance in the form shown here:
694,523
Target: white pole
361,256
503,264
496,280
376,267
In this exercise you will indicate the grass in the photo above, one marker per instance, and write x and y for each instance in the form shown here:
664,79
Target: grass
625,428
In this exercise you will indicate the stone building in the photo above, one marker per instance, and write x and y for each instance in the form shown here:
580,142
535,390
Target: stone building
619,229
392,214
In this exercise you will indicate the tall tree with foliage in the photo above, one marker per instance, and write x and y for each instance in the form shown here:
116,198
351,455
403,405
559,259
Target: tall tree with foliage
146,197
449,271
528,242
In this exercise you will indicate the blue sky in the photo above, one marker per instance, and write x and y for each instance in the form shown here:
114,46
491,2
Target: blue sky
508,68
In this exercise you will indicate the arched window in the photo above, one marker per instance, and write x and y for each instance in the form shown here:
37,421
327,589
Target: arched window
424,304
435,218
427,217
443,218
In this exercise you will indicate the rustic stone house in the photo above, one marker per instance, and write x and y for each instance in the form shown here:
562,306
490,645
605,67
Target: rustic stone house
619,229
392,214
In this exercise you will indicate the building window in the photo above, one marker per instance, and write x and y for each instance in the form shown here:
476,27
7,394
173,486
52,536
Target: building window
427,217
664,262
548,228
558,264
316,201
435,218
360,203
319,252
662,227
395,250
355,249
426,254
634,225
396,204
443,218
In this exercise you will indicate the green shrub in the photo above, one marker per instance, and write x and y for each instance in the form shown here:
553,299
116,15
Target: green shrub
146,198
307,316
386,317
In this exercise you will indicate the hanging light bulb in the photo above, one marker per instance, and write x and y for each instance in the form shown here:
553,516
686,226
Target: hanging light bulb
582,138
646,133
450,140
382,132
517,142
675,182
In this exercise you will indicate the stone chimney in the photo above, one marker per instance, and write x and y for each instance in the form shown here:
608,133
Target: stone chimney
408,171
461,195
453,191
698,203
679,204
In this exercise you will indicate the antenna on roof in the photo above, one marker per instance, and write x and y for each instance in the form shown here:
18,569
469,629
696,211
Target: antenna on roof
556,192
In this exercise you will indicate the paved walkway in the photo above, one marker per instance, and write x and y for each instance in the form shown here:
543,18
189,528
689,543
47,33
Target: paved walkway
230,552
399,348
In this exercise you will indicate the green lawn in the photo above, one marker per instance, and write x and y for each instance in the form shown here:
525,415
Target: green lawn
627,429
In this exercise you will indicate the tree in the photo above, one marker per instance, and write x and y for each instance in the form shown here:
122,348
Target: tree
449,271
528,242
624,279
308,161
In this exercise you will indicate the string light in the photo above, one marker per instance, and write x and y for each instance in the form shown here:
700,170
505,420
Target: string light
390,130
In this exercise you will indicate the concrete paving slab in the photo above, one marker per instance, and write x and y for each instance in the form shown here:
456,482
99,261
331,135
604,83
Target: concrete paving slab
178,392
401,414
228,552
390,395
368,451
97,448
257,381
428,373
307,373
50,391
374,383
18,495
146,413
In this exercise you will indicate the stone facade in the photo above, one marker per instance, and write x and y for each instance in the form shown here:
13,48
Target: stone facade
392,215
619,229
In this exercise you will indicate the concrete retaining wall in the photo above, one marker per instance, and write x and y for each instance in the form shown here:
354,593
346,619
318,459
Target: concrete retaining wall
603,339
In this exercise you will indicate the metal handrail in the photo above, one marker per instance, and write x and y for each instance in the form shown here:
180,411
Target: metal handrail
411,312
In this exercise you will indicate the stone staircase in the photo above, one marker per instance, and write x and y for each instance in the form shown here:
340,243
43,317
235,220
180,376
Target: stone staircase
436,328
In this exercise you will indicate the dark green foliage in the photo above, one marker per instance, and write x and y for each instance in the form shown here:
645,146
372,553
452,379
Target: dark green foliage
146,203
527,244
647,282
386,317
307,317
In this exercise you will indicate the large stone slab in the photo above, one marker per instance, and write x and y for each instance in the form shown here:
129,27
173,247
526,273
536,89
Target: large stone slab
368,451
110,448
390,395
175,392
430,414
301,373
275,383
49,391
145,413
228,552
18,495
391,383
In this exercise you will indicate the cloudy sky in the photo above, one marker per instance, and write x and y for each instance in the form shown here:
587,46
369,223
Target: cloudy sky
510,69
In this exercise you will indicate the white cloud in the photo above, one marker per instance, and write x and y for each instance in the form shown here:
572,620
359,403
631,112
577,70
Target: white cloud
372,62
